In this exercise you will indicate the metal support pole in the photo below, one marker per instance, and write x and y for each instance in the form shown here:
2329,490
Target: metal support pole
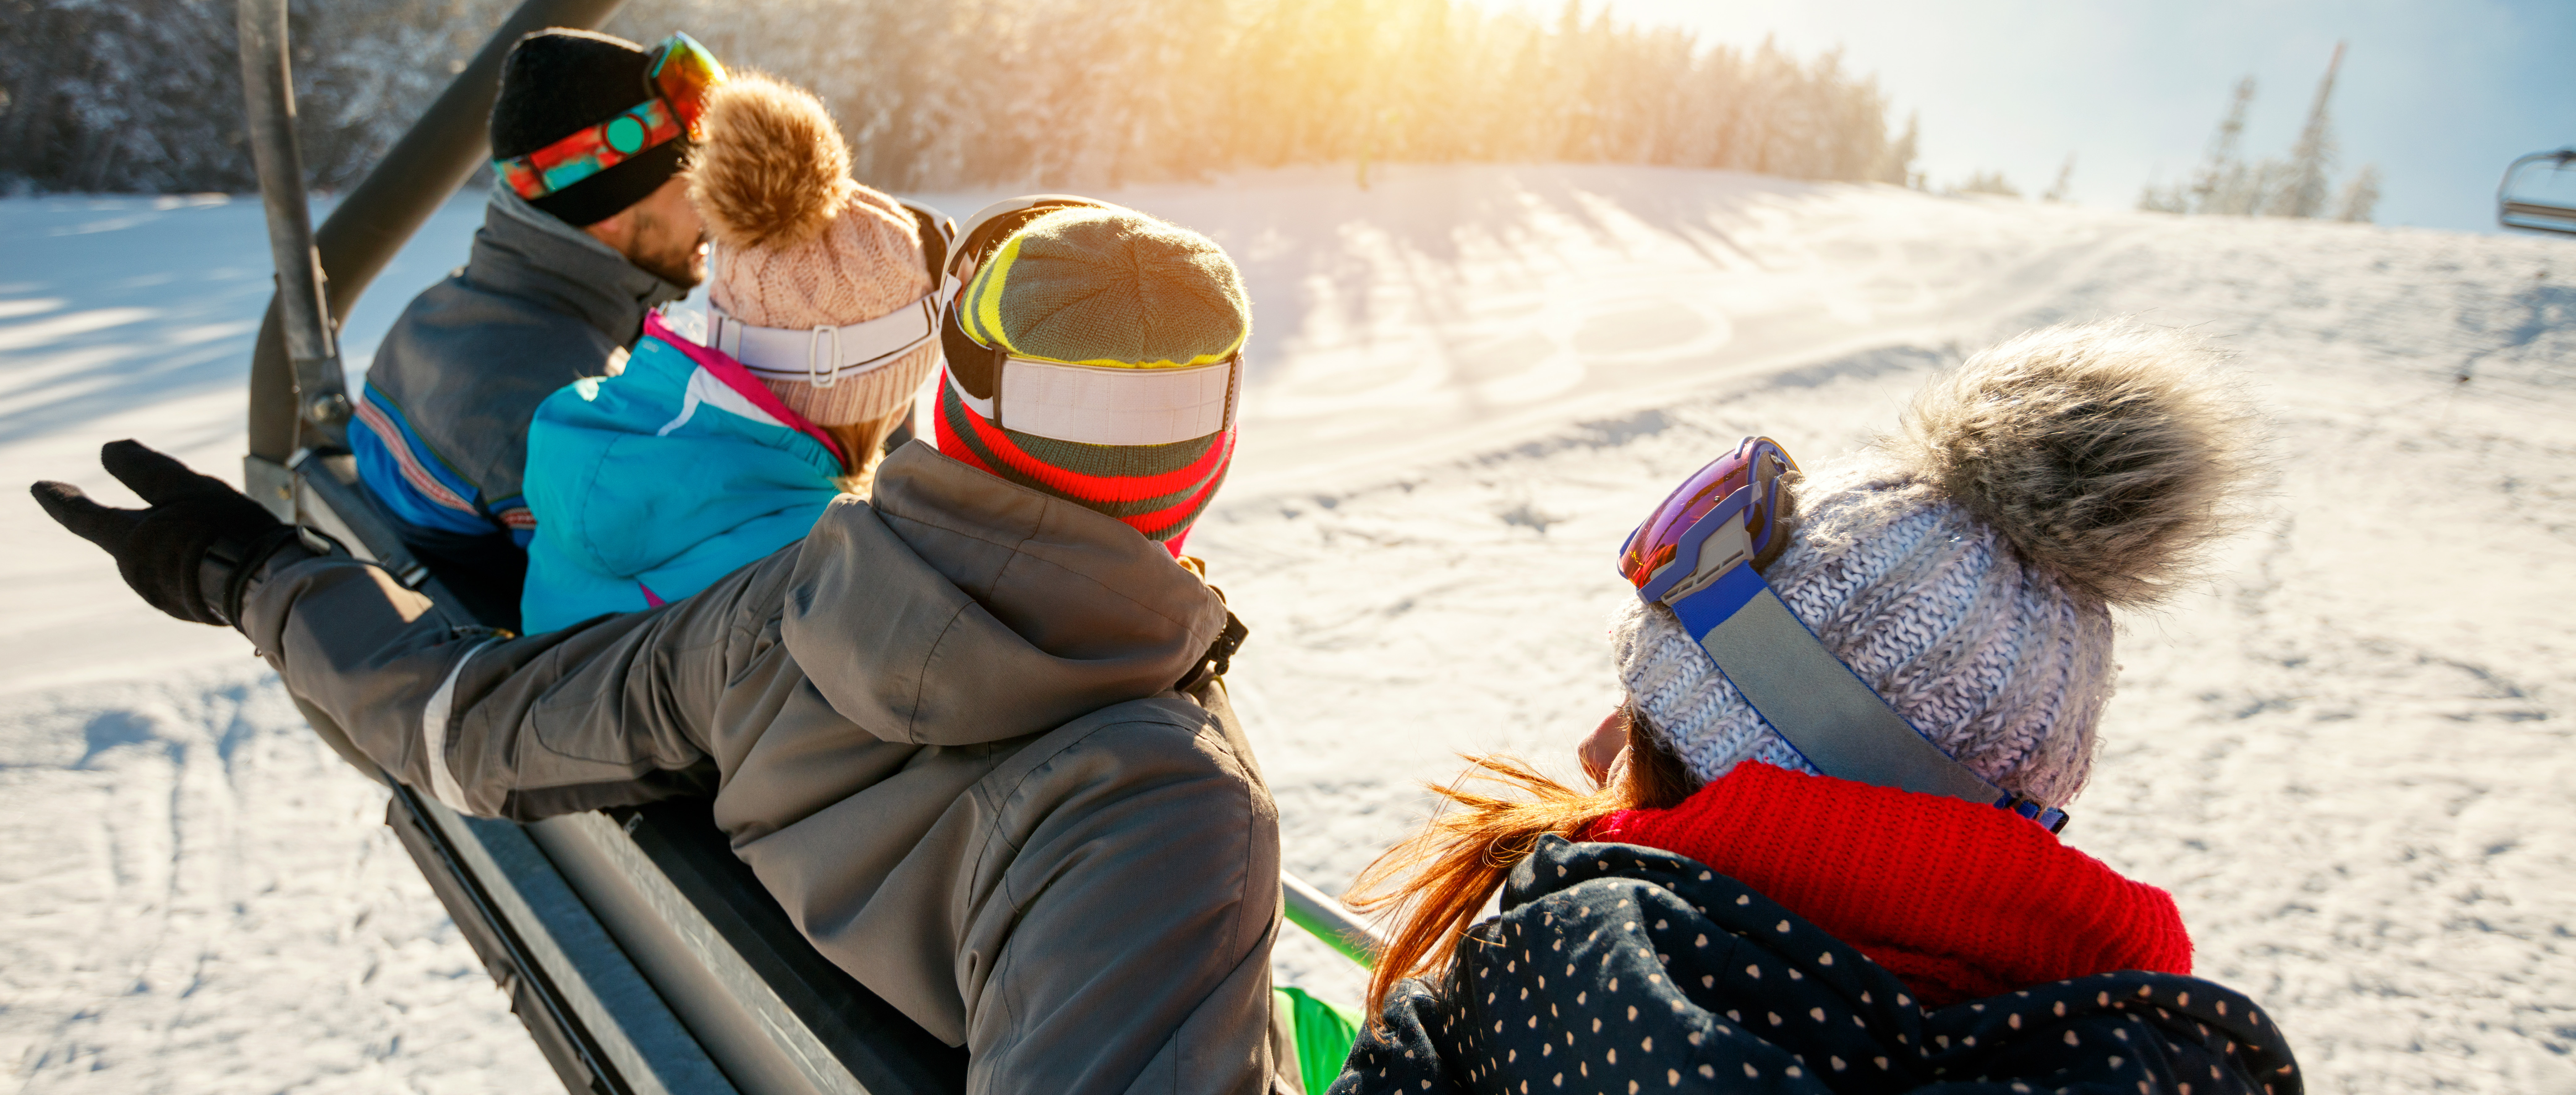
268,94
1330,921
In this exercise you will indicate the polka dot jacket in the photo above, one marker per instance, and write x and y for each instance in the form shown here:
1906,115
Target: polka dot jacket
1621,969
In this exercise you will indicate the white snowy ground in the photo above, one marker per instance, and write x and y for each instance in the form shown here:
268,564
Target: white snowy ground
2347,755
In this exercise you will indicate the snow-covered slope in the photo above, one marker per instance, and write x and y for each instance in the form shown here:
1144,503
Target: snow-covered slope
2348,755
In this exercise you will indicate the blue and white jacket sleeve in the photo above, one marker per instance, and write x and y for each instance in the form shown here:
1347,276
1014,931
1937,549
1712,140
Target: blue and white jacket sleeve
419,488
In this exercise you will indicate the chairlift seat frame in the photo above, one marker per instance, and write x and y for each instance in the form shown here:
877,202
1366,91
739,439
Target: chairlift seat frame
2521,210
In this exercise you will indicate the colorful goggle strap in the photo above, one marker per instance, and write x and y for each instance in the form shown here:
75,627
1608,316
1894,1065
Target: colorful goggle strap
991,226
1703,569
677,81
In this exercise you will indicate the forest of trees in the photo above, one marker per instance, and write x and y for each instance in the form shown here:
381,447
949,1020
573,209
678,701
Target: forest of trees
144,95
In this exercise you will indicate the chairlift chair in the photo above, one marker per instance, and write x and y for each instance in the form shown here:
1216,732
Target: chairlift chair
641,954
2539,192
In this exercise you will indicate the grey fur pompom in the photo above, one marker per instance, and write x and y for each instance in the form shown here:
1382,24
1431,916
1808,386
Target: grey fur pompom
2110,454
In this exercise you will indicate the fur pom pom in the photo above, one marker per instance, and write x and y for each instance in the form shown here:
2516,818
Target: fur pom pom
771,168
2110,454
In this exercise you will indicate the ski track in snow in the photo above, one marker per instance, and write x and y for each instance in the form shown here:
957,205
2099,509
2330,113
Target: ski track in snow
2346,754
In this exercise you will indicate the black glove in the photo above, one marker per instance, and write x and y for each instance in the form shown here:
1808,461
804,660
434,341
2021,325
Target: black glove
192,553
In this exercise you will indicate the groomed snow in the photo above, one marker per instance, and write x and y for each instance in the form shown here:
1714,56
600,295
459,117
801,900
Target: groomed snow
2347,755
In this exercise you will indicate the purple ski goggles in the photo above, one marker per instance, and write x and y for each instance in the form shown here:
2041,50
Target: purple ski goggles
1735,495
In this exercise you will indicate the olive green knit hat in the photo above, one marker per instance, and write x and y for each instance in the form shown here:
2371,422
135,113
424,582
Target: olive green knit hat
1098,285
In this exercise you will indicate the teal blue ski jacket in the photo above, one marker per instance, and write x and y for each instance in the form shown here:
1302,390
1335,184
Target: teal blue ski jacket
650,485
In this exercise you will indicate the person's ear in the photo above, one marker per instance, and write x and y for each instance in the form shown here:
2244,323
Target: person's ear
1603,748
617,229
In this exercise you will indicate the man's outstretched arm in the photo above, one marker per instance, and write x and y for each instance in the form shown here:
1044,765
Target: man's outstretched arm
606,713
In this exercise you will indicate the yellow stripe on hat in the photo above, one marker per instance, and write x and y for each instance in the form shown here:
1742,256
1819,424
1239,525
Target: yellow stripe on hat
981,318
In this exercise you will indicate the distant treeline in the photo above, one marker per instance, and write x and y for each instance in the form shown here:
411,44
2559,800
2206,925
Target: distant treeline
144,95
1061,92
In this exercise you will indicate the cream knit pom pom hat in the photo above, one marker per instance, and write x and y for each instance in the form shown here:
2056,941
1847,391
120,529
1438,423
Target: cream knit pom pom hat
1967,572
796,243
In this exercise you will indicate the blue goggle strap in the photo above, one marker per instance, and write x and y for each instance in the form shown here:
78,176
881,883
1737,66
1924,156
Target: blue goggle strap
1814,701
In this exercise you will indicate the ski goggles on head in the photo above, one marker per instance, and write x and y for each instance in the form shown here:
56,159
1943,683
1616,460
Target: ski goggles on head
1070,401
682,73
676,84
1701,554
991,226
1736,499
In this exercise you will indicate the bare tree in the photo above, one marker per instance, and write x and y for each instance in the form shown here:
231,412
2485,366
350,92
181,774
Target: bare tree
2060,190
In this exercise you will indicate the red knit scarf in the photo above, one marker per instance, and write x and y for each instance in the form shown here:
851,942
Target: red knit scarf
1959,901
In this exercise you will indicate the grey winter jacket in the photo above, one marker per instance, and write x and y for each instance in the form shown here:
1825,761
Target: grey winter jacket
442,428
943,734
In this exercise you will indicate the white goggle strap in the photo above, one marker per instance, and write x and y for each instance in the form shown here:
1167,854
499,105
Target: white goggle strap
960,257
826,355
1091,405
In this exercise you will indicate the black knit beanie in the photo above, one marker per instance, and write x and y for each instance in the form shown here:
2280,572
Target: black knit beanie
558,81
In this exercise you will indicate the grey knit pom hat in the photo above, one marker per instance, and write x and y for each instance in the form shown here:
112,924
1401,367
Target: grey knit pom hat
1967,567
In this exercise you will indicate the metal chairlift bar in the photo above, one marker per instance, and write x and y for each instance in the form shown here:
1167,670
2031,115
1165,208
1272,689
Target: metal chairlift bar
1330,921
703,978
623,1038
2513,212
333,501
777,1016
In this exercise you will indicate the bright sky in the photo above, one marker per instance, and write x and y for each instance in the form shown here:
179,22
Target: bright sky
2441,95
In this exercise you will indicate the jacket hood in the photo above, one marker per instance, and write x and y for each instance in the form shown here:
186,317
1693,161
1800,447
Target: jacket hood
523,251
953,608
666,461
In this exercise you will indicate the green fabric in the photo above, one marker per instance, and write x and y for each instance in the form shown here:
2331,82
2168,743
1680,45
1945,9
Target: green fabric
1112,287
1324,1037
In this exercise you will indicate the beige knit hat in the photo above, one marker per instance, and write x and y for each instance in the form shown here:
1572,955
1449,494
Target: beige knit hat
797,244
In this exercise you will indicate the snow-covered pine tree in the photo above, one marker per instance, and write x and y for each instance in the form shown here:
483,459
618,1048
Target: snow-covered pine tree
2360,196
2219,182
2303,190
